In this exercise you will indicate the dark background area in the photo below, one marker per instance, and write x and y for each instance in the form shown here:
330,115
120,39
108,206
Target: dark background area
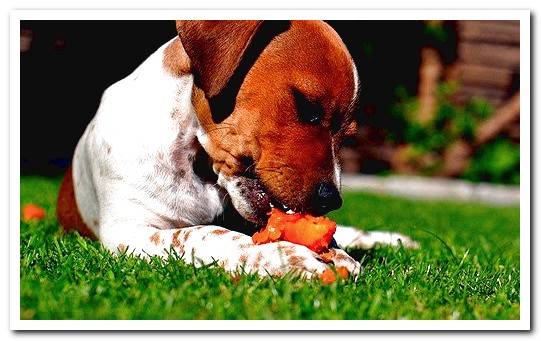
64,73
70,63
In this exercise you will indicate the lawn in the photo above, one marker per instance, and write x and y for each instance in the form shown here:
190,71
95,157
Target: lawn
467,268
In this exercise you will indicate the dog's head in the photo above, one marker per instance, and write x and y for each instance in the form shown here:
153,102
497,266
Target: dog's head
274,100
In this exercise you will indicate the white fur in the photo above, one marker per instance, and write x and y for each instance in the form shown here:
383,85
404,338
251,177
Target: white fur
135,187
356,83
147,124
336,168
350,237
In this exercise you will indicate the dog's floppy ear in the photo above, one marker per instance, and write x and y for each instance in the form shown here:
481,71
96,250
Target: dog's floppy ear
215,48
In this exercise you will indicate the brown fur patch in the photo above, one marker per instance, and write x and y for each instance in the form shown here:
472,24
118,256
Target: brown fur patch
296,261
155,238
187,234
67,211
215,48
289,251
175,59
175,241
122,248
180,250
278,273
223,263
243,258
220,232
236,237
340,256
257,260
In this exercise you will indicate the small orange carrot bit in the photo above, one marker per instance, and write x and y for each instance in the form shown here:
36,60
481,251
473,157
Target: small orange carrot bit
33,212
261,237
342,271
256,238
328,276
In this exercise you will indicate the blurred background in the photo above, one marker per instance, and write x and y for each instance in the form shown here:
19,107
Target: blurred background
439,98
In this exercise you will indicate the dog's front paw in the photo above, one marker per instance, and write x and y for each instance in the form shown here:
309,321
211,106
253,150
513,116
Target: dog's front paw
280,258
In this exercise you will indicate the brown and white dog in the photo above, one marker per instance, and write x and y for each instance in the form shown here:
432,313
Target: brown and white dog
267,103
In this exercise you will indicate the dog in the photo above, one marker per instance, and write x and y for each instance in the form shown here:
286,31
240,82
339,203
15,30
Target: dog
221,123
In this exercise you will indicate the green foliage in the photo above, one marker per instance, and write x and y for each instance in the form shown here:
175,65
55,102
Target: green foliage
467,268
449,123
436,31
496,161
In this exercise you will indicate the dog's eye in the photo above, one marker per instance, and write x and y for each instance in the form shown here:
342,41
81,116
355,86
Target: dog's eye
309,111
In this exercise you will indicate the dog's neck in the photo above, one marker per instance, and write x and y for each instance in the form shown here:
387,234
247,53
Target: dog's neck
176,64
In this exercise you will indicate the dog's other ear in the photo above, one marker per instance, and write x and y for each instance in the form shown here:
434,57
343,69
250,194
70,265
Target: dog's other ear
215,48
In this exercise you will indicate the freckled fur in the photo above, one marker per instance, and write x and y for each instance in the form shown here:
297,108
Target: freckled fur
257,260
155,238
122,248
296,261
187,235
219,232
176,241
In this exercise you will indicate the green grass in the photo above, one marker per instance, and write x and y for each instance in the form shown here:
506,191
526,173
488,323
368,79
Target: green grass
467,268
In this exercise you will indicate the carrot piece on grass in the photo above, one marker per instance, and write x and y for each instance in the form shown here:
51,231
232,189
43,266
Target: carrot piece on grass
342,271
33,212
328,276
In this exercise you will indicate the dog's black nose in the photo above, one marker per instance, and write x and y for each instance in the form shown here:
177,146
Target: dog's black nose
326,198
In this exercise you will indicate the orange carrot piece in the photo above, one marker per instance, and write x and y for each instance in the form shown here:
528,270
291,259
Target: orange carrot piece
303,229
328,276
33,212
342,271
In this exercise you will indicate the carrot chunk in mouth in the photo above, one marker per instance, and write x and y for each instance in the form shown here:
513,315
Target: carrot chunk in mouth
313,232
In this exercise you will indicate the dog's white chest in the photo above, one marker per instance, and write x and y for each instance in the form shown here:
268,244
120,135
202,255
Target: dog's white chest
136,155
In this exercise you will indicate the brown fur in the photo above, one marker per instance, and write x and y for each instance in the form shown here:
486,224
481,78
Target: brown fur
215,48
296,261
155,238
66,209
175,241
219,232
175,59
122,248
257,260
291,157
187,235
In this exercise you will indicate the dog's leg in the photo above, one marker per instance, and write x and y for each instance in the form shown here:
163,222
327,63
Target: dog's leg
350,237
206,244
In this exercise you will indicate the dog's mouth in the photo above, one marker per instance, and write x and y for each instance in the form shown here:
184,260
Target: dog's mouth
253,200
